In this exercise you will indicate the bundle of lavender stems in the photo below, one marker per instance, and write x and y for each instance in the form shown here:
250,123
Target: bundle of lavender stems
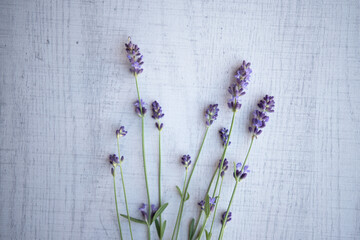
202,225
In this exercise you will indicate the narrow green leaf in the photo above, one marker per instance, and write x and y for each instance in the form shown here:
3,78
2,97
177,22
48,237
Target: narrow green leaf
207,206
179,191
158,228
208,235
187,196
134,219
191,228
159,211
163,229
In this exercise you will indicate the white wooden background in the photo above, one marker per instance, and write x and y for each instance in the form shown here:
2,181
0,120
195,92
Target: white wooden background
65,88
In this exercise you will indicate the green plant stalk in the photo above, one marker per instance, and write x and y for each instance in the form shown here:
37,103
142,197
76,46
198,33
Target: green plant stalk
160,177
216,205
117,209
178,215
207,193
123,184
181,208
203,227
143,153
224,153
232,195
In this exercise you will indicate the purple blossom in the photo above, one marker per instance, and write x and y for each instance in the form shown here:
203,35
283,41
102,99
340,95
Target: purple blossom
135,57
186,160
153,210
202,204
260,118
224,135
143,110
240,173
143,210
121,132
224,167
211,114
228,219
157,114
237,89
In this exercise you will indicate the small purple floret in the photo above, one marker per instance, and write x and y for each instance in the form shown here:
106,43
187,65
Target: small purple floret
260,118
143,110
240,173
224,167
121,132
186,160
228,219
224,135
157,114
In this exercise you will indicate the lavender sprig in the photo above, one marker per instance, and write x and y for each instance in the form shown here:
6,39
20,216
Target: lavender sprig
211,114
114,161
223,217
224,135
140,109
157,114
135,57
241,171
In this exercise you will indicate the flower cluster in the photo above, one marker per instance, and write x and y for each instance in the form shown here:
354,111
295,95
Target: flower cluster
241,173
114,161
228,219
121,132
212,202
211,114
266,105
186,161
237,89
157,114
224,135
135,57
225,166
140,109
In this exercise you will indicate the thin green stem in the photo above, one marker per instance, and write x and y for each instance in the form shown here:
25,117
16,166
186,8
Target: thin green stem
217,202
178,216
143,153
203,227
224,153
207,193
124,190
232,196
160,176
227,211
117,209
187,185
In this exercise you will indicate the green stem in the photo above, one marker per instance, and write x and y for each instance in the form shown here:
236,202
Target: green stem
160,176
203,227
232,196
224,152
117,209
178,215
143,153
217,202
207,193
227,211
177,224
123,184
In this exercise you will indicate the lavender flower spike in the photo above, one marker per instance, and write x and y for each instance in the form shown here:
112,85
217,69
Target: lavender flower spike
185,160
260,118
212,202
224,135
211,114
237,89
143,110
157,114
224,167
228,219
121,132
135,57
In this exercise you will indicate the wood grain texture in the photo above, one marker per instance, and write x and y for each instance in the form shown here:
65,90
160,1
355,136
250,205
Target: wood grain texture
65,88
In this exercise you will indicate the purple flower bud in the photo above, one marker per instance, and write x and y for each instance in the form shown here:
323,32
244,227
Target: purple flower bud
153,210
267,104
135,57
122,158
224,167
112,171
157,111
121,132
212,202
228,219
224,135
159,126
141,106
113,159
185,160
202,204
211,114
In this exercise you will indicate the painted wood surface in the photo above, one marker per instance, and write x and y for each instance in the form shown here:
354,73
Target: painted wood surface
65,87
